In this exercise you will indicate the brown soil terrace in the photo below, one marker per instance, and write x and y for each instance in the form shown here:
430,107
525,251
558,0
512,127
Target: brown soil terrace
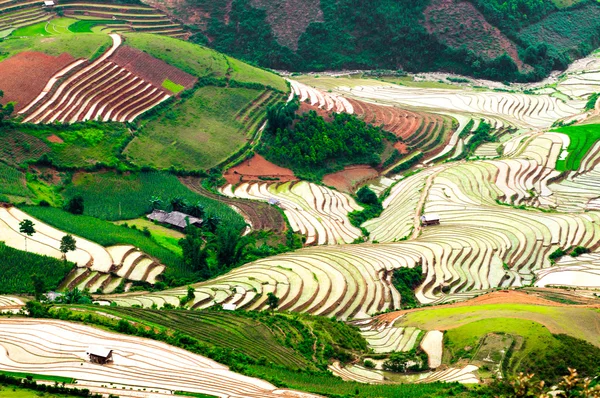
150,69
255,167
38,67
349,178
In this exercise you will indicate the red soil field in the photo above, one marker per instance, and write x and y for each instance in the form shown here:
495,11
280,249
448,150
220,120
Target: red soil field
55,139
347,179
23,76
255,167
151,69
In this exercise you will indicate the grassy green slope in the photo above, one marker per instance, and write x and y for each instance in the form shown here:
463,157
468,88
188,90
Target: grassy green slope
198,133
85,46
577,322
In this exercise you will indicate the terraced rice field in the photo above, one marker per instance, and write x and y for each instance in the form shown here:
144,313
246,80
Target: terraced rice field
140,368
16,14
138,18
384,337
502,108
99,268
483,241
421,130
319,213
581,271
109,88
10,304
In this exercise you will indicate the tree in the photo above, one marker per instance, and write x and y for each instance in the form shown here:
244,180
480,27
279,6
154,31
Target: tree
196,210
195,252
39,286
211,223
398,361
367,196
272,300
75,205
26,228
191,293
67,244
155,202
5,110
229,245
178,204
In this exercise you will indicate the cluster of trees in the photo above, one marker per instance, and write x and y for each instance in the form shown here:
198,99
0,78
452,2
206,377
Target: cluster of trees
371,208
5,110
406,280
414,360
181,204
312,146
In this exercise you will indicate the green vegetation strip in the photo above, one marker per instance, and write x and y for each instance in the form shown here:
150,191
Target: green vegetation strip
172,86
17,268
582,139
113,196
33,376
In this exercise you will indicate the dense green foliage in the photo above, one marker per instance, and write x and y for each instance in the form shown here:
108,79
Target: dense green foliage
17,268
119,196
312,146
388,35
406,280
553,363
582,138
401,361
371,207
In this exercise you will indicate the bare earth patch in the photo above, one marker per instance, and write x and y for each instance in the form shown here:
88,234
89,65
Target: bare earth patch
290,18
23,76
457,23
55,139
255,167
349,178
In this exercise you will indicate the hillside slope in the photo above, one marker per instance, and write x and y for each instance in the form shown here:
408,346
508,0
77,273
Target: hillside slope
467,37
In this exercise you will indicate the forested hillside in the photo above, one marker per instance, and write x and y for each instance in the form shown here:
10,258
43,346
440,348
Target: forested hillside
517,40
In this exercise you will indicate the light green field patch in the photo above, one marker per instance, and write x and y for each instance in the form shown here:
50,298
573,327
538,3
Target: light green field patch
172,86
38,29
575,321
537,337
582,139
84,46
60,26
5,33
243,72
165,237
199,133
191,58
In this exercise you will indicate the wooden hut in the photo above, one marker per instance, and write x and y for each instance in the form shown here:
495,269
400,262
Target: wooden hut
430,219
99,355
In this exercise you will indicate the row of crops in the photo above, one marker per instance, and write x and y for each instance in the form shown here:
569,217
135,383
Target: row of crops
16,264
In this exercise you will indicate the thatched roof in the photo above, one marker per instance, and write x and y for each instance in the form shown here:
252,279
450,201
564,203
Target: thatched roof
175,218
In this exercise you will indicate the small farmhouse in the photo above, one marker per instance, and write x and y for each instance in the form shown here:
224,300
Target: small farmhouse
99,355
49,3
175,218
430,219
